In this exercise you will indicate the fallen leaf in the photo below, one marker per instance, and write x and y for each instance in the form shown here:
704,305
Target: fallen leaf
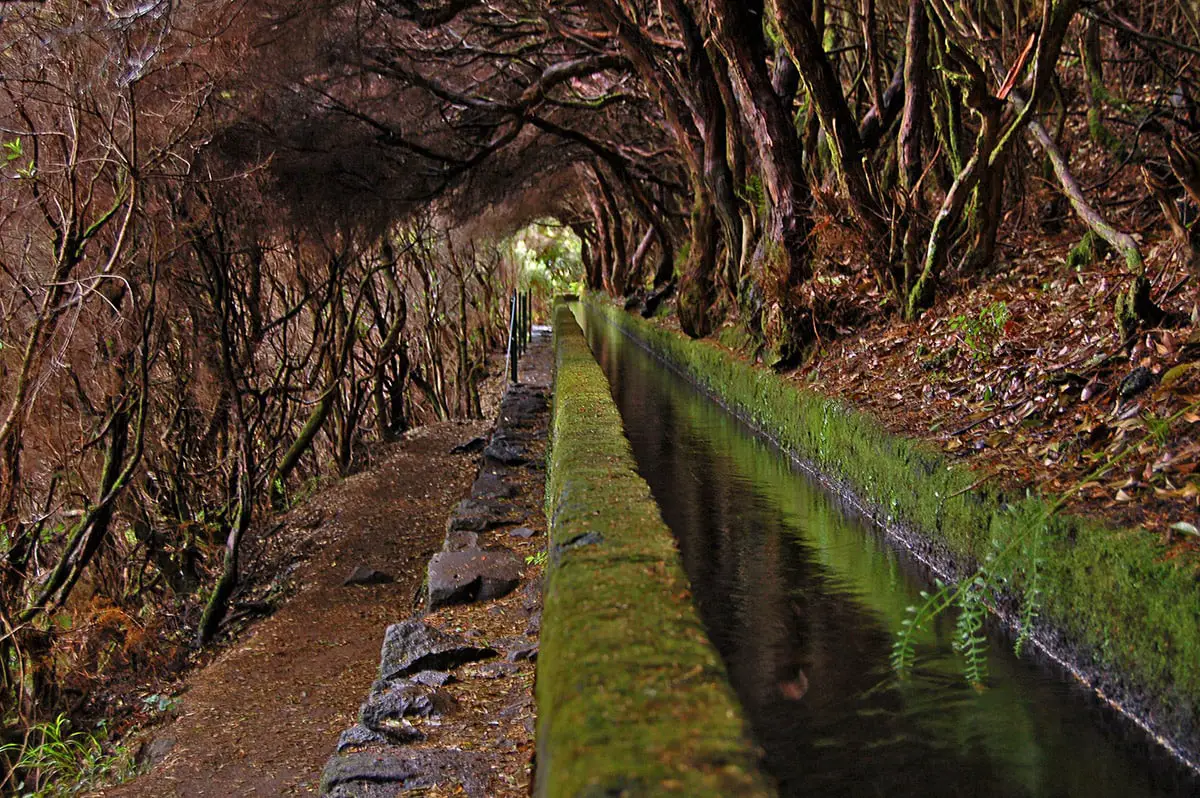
1185,528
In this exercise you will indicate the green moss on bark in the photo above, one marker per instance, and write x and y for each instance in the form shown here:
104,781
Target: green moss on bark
1123,609
632,697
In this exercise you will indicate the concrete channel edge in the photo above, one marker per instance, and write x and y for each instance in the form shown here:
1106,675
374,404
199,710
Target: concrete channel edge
632,697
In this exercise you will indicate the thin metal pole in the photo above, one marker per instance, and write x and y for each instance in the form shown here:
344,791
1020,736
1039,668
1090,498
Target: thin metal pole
524,321
521,321
512,339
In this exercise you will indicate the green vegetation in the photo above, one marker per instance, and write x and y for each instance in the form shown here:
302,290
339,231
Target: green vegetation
548,255
55,761
1086,252
1108,591
980,333
632,698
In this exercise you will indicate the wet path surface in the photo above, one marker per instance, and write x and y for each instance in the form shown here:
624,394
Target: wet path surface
802,600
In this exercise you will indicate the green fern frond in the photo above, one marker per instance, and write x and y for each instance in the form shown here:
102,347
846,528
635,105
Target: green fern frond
969,638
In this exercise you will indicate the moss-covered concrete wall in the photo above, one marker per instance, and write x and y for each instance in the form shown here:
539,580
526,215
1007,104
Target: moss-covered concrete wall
632,698
1126,619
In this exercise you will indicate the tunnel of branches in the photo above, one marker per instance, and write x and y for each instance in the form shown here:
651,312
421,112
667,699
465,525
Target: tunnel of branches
243,241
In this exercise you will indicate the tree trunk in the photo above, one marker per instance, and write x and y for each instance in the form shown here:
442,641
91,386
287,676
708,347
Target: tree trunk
803,38
784,266
1133,307
912,126
697,290
218,604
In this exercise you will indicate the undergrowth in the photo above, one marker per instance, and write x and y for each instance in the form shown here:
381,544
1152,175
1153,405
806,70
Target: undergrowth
1020,560
981,332
54,760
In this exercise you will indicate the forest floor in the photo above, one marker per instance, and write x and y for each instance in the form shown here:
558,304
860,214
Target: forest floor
1020,373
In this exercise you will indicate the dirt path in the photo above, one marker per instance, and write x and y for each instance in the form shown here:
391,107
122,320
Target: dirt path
465,725
262,719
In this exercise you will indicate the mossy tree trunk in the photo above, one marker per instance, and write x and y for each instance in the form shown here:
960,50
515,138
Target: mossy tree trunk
1134,305
801,25
619,262
1095,93
912,127
697,290
996,134
737,33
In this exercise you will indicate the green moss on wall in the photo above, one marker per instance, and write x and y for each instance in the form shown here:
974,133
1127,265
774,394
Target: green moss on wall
1121,607
632,698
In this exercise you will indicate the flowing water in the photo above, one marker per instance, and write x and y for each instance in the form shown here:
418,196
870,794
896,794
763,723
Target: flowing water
802,599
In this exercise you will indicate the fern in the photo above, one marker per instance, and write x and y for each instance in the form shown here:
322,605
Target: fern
969,637
1023,554
905,645
1032,603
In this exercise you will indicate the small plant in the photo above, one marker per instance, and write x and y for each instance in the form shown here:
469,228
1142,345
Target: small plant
13,151
753,193
980,333
159,703
55,761
1085,253
536,559
1159,428
969,638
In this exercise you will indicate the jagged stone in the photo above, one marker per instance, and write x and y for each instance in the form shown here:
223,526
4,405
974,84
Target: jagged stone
478,515
362,789
521,653
492,486
497,670
385,711
155,751
412,646
505,451
359,736
462,577
470,447
460,540
433,678
371,774
521,407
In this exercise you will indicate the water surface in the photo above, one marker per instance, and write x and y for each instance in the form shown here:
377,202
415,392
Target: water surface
802,599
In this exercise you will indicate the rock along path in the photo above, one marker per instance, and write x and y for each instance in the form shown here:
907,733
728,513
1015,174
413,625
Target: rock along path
452,712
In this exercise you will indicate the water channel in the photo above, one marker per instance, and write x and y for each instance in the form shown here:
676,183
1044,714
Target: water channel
802,600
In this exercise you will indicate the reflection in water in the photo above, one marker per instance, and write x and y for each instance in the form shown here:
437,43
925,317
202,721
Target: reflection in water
802,601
